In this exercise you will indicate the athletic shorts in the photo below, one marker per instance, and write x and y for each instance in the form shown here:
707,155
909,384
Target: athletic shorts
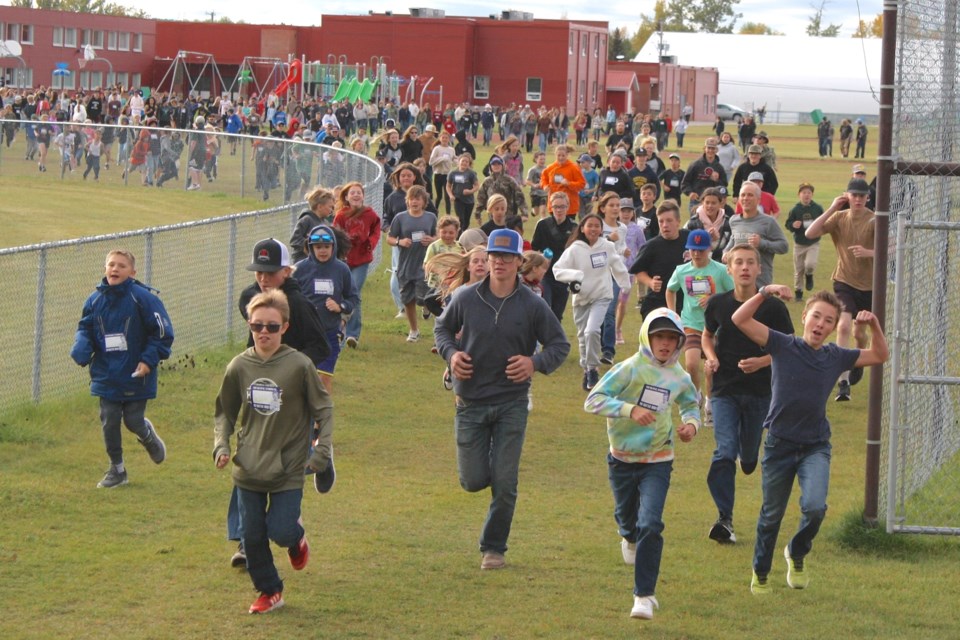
330,362
694,340
415,290
853,300
538,201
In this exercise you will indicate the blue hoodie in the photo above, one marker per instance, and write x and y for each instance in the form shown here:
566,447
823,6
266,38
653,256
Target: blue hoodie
322,280
121,326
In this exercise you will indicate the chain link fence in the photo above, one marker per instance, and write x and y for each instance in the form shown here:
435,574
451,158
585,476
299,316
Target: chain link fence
199,269
921,402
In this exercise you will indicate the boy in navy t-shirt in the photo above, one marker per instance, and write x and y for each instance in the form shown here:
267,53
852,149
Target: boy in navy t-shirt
798,440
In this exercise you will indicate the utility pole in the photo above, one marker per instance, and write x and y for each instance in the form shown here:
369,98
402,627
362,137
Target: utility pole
212,15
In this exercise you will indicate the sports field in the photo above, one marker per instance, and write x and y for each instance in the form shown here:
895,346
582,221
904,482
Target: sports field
394,545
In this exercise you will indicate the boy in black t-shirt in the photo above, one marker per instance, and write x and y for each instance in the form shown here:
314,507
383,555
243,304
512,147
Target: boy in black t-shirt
670,179
740,394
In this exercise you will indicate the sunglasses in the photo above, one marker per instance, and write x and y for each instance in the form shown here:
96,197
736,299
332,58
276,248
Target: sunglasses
271,327
321,239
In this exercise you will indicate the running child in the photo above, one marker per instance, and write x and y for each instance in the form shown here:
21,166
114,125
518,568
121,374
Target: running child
123,334
797,445
805,250
412,231
636,397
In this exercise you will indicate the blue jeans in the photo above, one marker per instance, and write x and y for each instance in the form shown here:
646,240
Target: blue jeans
111,415
639,494
394,281
489,443
359,276
782,462
542,142
738,431
265,517
608,335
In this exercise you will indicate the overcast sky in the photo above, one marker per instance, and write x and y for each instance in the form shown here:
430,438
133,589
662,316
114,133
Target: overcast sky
788,16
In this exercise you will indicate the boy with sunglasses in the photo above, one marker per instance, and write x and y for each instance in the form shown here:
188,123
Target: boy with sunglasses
274,393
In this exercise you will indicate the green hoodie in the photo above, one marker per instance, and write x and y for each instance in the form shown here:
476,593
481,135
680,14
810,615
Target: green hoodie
275,402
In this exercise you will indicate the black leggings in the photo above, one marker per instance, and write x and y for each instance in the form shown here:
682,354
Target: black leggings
440,184
464,212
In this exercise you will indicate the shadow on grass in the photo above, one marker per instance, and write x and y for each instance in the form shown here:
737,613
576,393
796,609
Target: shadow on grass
856,536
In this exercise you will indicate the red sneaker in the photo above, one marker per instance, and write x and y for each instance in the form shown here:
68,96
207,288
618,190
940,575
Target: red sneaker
299,554
267,602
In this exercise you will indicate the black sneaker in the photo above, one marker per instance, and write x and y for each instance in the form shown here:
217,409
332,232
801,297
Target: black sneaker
239,558
722,531
113,478
606,359
798,295
153,444
586,381
809,282
843,392
856,375
593,377
323,480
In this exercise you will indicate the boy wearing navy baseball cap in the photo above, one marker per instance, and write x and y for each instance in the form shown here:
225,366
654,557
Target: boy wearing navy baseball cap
698,279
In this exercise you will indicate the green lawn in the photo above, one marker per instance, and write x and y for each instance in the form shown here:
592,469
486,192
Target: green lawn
394,544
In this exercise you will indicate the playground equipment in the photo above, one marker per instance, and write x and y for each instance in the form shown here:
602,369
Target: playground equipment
206,78
293,77
90,55
344,81
250,74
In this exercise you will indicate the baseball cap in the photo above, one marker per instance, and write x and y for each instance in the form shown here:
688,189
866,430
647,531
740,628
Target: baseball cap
755,175
698,239
664,324
805,185
505,241
672,156
431,128
627,203
723,190
858,168
496,160
754,148
762,134
858,185
584,158
711,142
620,152
269,255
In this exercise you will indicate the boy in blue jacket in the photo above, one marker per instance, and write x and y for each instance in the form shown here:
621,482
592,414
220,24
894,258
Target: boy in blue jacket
123,334
327,283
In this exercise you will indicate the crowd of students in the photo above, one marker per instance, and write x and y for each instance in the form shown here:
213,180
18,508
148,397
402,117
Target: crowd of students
715,338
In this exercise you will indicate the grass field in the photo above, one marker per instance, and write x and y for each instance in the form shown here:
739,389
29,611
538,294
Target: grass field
394,544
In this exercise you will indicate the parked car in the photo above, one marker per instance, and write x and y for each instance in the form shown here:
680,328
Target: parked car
730,112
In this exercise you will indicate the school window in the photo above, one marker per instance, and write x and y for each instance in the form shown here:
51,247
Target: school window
70,37
570,48
86,37
98,39
112,40
120,78
123,41
481,87
596,46
26,34
17,77
593,99
534,89
137,41
584,43
58,36
13,32
96,79
582,96
569,88
135,80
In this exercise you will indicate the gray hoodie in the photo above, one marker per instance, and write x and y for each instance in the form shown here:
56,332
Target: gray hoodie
494,329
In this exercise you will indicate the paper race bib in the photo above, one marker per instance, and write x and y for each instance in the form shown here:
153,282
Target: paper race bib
264,396
598,260
700,286
460,179
322,287
416,236
674,182
610,180
654,398
115,342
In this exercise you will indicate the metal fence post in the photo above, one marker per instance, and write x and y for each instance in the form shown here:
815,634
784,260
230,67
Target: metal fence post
231,269
243,167
38,324
148,258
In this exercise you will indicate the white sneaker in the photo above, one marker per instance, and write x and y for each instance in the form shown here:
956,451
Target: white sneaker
629,551
643,607
400,314
413,336
529,401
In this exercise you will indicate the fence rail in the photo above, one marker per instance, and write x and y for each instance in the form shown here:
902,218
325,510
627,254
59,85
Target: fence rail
199,269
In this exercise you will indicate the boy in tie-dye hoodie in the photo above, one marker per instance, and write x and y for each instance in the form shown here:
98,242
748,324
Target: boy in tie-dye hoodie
636,397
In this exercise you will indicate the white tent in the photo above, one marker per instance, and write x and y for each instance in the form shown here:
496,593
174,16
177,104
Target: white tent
788,74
